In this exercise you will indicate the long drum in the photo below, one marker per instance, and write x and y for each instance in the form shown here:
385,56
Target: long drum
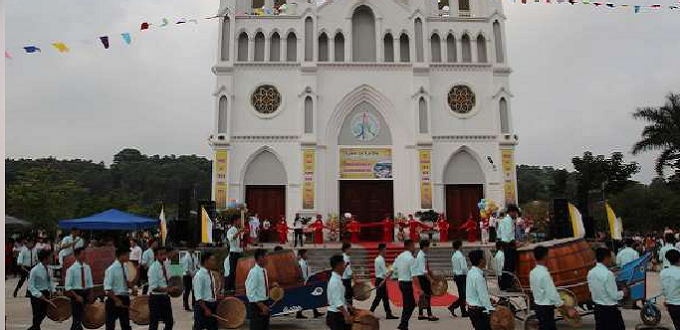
232,311
139,310
94,316
569,261
62,312
282,268
176,281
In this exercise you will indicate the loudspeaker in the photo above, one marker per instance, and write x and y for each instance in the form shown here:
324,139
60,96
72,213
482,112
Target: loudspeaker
184,204
560,225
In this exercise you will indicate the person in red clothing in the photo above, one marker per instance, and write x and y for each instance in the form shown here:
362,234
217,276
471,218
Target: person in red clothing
282,229
471,227
443,226
414,228
318,227
354,227
388,229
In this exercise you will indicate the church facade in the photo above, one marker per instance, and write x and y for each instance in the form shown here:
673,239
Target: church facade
372,107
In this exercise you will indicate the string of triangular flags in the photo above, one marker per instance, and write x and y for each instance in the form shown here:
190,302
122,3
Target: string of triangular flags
637,8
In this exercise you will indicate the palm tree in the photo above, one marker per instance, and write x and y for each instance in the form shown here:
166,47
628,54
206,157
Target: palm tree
662,132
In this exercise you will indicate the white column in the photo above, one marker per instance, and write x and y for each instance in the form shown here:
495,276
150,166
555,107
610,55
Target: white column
251,49
283,56
267,53
459,49
396,48
331,48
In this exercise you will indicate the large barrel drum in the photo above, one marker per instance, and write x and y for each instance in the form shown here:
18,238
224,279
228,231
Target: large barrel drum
282,268
569,261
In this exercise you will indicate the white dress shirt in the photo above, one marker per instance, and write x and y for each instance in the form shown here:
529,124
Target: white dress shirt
380,267
74,275
115,279
40,280
189,264
602,286
543,287
348,267
670,285
234,239
204,285
421,264
459,263
335,293
135,253
28,257
662,254
404,266
227,266
500,262
147,258
476,291
625,256
304,266
257,284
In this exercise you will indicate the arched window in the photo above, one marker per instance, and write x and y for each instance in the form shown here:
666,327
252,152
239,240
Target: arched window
481,49
498,39
404,51
259,47
243,47
419,40
363,35
465,45
451,49
388,46
505,118
291,47
422,115
222,116
464,5
224,52
275,48
309,39
323,48
339,48
436,48
309,115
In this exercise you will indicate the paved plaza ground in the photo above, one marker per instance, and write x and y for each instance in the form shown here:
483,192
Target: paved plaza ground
18,313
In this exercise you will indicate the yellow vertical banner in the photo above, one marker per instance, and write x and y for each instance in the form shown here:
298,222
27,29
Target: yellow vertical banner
425,157
508,166
308,167
221,185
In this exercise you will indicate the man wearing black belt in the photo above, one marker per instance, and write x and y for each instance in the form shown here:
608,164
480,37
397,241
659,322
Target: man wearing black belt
381,276
338,314
257,291
78,283
116,285
235,252
404,265
160,308
40,286
205,285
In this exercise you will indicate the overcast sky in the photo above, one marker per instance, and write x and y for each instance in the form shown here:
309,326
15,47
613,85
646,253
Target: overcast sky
579,73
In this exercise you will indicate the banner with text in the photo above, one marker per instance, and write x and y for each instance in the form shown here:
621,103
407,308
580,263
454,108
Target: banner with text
508,160
221,186
308,166
425,157
365,163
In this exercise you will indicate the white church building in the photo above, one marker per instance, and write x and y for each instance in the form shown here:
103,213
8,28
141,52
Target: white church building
371,107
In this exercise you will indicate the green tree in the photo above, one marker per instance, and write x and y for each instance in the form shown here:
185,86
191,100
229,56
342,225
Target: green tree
662,133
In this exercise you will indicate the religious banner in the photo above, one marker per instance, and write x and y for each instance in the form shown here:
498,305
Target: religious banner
365,163
308,166
425,157
508,166
221,169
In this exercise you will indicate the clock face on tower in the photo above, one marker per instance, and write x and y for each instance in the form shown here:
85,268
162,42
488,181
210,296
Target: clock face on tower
365,126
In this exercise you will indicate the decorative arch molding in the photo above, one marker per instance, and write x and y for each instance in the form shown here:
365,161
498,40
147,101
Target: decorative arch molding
308,91
350,10
271,33
496,15
242,31
502,92
253,156
421,92
483,34
363,93
222,90
475,156
289,31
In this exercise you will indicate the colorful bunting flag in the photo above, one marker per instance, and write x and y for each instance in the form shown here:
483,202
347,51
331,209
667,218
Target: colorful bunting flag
7,55
61,47
105,41
126,37
145,26
165,22
31,49
181,21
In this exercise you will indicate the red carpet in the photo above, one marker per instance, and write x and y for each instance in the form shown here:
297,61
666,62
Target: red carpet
395,296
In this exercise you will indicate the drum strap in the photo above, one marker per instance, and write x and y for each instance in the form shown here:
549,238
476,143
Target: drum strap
212,284
165,273
124,276
266,282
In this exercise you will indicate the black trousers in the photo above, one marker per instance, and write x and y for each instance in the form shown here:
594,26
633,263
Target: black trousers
78,309
188,291
674,311
39,308
460,281
426,296
114,313
24,275
510,266
257,320
144,278
231,279
406,289
492,234
546,317
335,321
160,309
608,318
349,292
202,322
298,235
479,318
381,293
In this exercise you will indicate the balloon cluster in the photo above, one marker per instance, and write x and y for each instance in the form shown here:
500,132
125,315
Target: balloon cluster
486,207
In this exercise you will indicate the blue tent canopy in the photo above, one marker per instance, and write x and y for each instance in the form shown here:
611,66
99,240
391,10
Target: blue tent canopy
110,220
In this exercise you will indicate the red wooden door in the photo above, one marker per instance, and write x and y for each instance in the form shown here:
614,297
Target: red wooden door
369,201
461,203
269,202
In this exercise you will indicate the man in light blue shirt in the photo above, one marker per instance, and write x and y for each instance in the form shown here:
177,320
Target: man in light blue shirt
506,232
347,275
405,267
499,258
545,292
460,270
27,258
190,266
40,286
144,264
425,281
304,267
338,314
257,291
605,295
477,293
78,283
116,284
69,243
160,308
205,293
234,235
627,254
670,286
381,276
669,244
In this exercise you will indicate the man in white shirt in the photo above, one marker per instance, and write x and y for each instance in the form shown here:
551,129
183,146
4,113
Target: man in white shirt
116,284
234,235
144,264
627,254
422,271
205,293
604,292
669,244
347,275
190,266
544,291
506,233
338,312
381,276
460,270
78,284
477,292
135,252
404,266
670,286
306,272
69,243
257,291
28,257
40,287
297,231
